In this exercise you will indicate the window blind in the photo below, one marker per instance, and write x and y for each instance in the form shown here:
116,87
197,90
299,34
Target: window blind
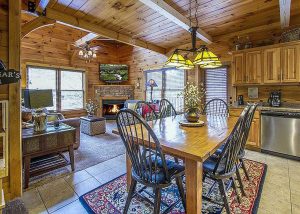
216,84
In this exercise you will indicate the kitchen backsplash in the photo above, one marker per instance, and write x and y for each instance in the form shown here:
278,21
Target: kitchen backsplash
289,94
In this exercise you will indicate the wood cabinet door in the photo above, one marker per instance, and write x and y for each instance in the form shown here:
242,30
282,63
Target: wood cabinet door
272,65
253,67
238,67
254,136
290,63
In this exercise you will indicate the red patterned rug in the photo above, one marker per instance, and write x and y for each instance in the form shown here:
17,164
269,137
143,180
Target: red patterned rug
111,197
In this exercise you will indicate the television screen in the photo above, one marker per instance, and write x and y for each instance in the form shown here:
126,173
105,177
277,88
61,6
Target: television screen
113,73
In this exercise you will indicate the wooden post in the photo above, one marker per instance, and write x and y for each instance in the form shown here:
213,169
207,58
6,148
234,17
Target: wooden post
15,154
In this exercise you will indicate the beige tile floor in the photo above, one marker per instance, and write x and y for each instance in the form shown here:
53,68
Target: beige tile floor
281,191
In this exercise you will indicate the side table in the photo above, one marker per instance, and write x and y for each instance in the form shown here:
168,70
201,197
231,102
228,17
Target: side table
92,125
51,142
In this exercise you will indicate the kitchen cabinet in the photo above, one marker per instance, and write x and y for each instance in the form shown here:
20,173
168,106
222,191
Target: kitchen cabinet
253,66
272,69
238,69
253,142
290,64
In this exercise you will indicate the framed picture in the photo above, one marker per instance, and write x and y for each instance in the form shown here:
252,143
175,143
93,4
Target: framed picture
253,93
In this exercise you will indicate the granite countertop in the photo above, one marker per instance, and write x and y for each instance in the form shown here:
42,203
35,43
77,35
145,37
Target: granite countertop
290,107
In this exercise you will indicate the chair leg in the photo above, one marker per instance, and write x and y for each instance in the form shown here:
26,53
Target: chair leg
130,194
224,196
235,189
244,168
181,191
239,178
157,200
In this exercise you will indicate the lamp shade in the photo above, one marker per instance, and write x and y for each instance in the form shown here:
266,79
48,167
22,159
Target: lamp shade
187,65
215,64
151,83
175,59
205,56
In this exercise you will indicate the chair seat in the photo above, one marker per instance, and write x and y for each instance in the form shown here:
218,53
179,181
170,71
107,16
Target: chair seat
210,164
173,168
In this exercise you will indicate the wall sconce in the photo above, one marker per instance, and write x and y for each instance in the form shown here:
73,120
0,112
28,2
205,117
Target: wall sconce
138,83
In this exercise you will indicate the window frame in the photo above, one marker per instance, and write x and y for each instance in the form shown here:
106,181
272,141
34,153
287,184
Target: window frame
58,72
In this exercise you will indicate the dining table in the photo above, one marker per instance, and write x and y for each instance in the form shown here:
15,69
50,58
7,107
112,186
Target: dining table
191,144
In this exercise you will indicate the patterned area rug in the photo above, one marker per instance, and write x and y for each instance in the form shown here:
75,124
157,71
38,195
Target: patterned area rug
111,197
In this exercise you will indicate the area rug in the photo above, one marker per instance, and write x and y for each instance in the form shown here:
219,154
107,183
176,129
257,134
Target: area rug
93,150
111,197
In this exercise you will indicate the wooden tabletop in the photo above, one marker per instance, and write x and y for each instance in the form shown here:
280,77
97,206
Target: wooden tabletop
196,143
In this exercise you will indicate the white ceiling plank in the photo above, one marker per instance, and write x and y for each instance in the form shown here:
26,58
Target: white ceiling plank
173,15
86,38
285,12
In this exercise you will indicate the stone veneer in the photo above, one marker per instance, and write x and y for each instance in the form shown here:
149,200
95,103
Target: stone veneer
114,91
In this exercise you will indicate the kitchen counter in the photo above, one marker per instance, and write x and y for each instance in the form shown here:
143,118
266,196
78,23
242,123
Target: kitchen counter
286,107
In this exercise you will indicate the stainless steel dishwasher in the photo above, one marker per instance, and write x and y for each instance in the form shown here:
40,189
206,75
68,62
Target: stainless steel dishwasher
280,132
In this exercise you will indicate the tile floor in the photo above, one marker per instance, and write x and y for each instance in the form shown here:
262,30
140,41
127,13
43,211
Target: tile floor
281,191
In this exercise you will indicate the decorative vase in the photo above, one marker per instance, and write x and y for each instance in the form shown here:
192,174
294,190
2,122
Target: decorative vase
192,115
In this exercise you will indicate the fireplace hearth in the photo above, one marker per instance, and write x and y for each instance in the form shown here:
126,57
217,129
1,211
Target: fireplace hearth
110,108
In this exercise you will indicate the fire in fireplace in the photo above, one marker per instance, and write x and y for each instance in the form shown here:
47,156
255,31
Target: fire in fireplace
111,107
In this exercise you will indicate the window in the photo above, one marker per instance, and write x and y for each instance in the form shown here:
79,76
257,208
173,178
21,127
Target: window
216,84
67,86
170,83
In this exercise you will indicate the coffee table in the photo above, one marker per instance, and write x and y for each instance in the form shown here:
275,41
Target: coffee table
49,145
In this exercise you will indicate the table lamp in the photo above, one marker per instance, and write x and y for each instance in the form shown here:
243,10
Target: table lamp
151,83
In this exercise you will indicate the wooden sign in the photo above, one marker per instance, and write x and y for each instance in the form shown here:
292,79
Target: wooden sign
8,76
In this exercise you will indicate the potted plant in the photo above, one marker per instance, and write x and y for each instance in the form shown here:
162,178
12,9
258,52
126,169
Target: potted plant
193,96
91,107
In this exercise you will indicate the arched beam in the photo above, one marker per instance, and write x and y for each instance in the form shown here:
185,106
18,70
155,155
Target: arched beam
34,24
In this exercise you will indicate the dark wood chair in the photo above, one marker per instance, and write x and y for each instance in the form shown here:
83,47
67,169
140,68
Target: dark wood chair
216,107
166,109
223,167
149,166
142,106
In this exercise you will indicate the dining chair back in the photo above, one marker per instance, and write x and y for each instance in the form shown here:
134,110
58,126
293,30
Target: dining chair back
145,109
216,107
142,146
166,109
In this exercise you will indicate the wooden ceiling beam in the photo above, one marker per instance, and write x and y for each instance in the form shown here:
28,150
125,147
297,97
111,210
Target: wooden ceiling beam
85,25
34,24
173,15
285,13
86,38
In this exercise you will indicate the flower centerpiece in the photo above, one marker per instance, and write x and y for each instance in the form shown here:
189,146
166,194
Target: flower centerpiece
91,107
193,96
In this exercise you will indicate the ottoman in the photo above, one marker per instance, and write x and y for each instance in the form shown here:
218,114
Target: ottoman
92,125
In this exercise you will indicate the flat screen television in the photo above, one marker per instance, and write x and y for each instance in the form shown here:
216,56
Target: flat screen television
113,72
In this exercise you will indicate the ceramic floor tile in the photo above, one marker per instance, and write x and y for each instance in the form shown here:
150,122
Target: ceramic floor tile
72,208
295,197
77,177
57,194
107,176
97,169
275,206
278,170
295,209
33,202
294,184
86,186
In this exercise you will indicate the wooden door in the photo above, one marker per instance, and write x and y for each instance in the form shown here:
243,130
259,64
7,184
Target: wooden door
290,63
272,63
253,67
238,69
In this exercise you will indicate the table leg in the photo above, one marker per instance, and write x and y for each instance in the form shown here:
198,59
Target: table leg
193,173
128,169
27,170
71,154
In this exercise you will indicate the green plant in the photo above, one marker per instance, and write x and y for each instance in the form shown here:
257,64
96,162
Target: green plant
193,96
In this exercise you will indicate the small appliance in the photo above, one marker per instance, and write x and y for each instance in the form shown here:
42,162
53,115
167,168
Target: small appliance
240,100
275,99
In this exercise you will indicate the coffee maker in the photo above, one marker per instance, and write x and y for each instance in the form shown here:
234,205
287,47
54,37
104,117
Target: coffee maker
240,100
275,99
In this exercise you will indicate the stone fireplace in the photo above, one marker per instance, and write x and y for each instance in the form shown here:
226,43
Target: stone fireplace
111,98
